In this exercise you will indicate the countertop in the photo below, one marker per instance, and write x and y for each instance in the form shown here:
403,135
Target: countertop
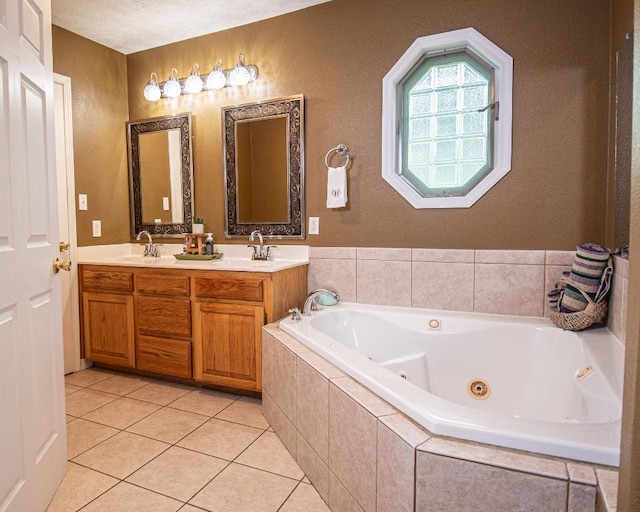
235,257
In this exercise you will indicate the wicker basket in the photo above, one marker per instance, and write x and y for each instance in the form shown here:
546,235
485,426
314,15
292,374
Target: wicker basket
594,312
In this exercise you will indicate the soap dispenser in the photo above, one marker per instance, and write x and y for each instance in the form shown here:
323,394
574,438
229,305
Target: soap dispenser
209,244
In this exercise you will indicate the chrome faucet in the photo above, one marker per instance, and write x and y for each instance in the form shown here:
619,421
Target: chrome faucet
311,304
150,249
258,251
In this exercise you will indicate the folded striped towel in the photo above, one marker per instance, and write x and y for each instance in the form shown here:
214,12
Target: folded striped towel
588,268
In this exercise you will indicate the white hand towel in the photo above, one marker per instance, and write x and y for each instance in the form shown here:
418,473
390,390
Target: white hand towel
337,187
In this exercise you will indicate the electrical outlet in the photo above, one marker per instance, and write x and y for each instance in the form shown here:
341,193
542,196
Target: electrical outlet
97,228
314,225
82,201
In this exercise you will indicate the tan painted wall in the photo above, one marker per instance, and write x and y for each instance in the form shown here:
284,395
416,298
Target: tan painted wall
337,53
100,111
621,24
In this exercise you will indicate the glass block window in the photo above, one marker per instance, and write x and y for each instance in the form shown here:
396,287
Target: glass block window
447,120
446,130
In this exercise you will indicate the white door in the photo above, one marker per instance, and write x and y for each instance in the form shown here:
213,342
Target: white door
67,223
32,416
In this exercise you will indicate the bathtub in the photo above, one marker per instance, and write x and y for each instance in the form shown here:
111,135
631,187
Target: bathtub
509,381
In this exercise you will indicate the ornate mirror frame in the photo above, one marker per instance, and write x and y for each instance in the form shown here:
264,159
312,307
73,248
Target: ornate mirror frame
292,108
159,124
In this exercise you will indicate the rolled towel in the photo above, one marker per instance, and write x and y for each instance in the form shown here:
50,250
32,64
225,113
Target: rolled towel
588,266
554,296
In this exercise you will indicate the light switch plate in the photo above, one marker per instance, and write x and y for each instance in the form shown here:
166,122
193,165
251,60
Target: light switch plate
82,201
97,228
165,203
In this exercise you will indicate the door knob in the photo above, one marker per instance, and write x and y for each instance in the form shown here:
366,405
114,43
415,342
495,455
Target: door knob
61,265
64,246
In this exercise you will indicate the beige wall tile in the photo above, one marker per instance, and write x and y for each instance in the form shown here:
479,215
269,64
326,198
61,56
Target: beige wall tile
383,254
396,472
621,266
446,484
321,365
312,412
406,429
384,282
617,319
363,397
339,498
338,275
443,255
608,488
446,286
582,498
282,382
511,257
280,423
509,289
313,466
352,447
336,253
562,258
492,455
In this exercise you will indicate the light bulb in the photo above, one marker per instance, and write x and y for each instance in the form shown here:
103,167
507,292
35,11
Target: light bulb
216,79
152,90
172,87
193,83
240,74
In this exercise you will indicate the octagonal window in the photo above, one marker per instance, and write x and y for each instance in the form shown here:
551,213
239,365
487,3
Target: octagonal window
447,120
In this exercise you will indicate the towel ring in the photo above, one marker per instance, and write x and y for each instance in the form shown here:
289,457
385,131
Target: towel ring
340,149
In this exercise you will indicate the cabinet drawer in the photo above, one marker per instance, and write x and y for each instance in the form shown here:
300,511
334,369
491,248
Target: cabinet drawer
166,356
164,316
233,289
163,285
107,280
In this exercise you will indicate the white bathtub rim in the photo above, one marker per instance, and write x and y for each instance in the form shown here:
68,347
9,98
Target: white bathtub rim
441,417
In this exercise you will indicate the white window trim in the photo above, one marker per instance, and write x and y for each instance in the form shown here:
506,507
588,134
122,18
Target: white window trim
503,64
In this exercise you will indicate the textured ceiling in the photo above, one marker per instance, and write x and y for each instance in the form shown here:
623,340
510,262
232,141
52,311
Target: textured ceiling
132,26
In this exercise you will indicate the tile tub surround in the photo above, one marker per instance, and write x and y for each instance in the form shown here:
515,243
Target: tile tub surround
484,281
362,455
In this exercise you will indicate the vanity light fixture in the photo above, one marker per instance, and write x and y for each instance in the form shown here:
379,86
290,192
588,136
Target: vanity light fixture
241,74
172,87
152,90
193,83
216,79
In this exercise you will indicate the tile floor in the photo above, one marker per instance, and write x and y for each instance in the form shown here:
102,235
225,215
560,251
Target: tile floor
136,443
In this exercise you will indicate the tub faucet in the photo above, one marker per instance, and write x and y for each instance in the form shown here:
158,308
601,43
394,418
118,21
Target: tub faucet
258,252
150,249
311,304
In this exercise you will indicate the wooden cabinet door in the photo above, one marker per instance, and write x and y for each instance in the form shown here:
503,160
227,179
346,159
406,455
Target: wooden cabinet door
227,346
109,335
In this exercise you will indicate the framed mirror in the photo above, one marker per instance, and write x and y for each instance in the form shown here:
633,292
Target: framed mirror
161,174
264,168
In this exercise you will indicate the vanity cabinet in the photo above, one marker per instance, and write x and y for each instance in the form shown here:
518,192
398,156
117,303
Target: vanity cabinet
194,324
108,316
163,314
